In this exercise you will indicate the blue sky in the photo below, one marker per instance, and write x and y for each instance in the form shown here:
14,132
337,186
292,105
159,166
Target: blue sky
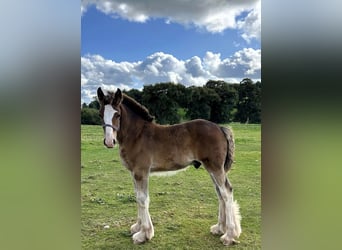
134,43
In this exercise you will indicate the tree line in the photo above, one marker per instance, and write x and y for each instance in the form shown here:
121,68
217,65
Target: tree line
170,103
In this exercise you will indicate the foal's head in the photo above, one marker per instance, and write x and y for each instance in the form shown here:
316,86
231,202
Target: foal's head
110,114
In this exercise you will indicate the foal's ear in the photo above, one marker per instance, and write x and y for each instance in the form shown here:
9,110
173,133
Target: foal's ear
117,98
100,94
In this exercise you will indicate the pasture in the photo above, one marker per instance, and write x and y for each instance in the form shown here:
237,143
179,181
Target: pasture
182,207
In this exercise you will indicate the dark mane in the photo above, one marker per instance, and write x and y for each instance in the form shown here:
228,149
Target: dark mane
137,108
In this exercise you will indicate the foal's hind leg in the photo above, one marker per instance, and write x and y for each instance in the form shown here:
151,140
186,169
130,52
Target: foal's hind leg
229,216
143,229
219,228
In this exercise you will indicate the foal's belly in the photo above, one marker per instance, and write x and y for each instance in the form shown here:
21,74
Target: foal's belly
173,165
168,167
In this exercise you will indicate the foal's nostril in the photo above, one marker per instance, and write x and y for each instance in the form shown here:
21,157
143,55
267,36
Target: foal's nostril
109,145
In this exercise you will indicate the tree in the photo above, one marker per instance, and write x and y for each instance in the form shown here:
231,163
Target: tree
94,104
249,105
90,116
222,108
199,102
135,94
170,103
158,100
177,92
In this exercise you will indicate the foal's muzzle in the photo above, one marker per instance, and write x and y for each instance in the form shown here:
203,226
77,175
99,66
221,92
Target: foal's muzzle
109,146
115,128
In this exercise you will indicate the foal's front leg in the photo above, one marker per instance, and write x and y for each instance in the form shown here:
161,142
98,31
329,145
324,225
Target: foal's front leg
143,229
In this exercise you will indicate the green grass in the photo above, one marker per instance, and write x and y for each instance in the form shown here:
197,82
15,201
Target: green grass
182,207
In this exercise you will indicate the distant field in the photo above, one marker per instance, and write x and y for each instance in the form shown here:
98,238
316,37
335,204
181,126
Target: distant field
182,207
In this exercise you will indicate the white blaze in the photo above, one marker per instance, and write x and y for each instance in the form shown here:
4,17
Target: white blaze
107,118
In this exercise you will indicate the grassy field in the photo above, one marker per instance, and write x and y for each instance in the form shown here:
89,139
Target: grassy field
183,206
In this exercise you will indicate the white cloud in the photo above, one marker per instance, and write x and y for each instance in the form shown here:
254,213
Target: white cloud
211,15
244,63
194,67
251,24
160,67
212,61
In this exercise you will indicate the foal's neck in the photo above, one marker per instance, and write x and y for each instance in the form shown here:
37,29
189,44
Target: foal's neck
131,125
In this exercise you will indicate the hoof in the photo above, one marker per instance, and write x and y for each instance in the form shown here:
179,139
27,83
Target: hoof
227,241
139,238
142,236
135,228
215,230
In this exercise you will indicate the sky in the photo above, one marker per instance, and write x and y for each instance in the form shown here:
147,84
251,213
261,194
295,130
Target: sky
129,44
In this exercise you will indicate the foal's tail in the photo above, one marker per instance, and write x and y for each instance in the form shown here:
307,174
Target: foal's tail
228,133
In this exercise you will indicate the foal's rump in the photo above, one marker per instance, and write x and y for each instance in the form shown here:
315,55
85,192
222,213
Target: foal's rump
191,143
